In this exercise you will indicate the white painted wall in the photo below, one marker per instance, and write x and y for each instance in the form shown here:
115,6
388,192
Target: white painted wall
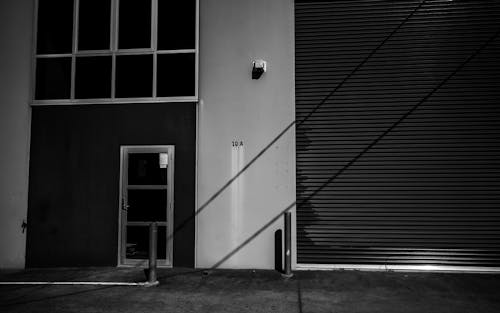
235,107
15,68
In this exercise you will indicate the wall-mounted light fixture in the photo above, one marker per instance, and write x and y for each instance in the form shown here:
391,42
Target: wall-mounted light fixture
259,68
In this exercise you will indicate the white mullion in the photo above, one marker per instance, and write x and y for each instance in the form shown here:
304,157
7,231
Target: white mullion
93,52
111,24
179,51
197,49
76,25
73,77
154,42
33,53
134,51
154,24
155,62
76,4
113,101
116,31
80,53
121,245
53,55
113,76
170,203
114,45
125,202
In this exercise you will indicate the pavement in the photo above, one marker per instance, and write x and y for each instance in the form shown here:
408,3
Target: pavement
191,290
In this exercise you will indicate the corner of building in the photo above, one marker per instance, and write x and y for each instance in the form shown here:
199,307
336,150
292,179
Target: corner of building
15,115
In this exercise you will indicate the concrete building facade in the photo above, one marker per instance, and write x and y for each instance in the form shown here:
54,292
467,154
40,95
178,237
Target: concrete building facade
343,81
231,108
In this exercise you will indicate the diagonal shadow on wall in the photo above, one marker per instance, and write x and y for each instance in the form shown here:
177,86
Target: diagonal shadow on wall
311,113
295,123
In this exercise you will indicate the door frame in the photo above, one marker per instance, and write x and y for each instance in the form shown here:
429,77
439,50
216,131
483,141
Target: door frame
124,150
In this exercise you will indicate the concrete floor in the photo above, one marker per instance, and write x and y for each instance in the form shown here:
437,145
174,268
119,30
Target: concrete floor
188,290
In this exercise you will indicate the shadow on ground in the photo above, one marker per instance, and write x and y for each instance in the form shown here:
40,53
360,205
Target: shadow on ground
188,290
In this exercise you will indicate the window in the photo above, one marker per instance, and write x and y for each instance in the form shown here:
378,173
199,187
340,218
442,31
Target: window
93,51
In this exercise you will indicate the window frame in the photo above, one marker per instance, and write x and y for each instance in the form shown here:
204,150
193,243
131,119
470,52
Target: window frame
113,51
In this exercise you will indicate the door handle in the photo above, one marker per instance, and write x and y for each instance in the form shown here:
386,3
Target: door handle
24,225
125,206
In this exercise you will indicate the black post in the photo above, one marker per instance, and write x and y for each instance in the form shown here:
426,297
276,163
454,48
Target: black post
153,238
278,250
288,245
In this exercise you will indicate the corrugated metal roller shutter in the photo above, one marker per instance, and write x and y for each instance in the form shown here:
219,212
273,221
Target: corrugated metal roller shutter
398,132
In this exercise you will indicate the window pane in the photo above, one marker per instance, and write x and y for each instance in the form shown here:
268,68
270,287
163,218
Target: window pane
176,24
147,205
53,78
144,169
55,26
134,76
176,75
134,24
138,242
94,24
93,77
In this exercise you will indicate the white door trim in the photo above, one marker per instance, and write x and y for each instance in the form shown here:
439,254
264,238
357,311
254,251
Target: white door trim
124,151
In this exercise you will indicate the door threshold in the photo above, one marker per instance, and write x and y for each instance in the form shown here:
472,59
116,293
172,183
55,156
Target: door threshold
143,265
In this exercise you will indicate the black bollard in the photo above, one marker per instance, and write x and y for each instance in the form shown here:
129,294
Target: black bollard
153,238
278,250
288,245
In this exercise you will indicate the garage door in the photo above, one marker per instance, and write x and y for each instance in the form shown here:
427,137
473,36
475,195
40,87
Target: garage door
398,132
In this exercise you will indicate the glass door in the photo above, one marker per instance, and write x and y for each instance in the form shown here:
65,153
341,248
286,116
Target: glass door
146,197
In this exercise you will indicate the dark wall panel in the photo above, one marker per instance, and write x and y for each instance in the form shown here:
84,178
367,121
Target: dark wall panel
75,172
